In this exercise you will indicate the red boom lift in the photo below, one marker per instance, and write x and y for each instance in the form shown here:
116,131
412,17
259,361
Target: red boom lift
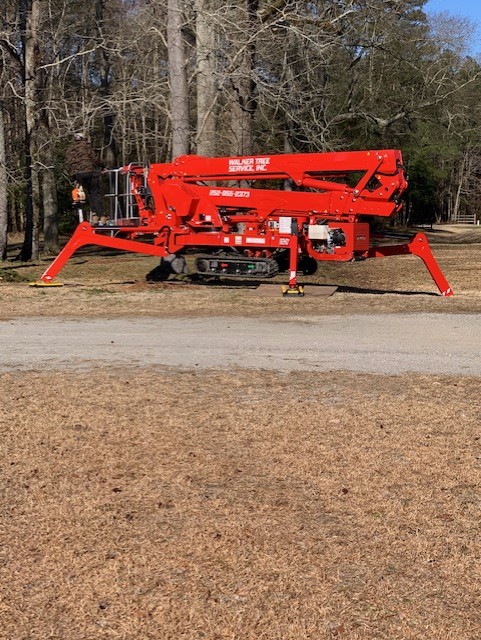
256,216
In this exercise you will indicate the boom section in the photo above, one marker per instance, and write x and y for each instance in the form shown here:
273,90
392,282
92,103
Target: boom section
336,183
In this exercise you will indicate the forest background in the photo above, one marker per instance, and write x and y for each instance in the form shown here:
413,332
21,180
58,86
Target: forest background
149,80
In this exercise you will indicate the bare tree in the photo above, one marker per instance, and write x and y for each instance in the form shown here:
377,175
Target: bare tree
242,103
105,75
3,190
207,103
179,98
30,16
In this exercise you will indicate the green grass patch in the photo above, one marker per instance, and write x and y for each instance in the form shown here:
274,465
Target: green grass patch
11,275
95,291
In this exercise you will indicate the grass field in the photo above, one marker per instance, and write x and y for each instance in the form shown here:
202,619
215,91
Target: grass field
106,283
165,504
154,504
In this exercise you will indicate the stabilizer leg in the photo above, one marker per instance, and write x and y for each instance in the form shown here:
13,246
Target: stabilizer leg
84,235
418,245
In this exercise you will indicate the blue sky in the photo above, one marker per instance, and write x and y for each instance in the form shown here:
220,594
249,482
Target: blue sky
465,8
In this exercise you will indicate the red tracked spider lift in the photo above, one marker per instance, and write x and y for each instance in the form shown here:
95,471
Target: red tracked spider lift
239,215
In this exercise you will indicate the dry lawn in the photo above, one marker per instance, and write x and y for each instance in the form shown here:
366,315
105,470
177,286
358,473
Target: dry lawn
167,505
111,284
155,504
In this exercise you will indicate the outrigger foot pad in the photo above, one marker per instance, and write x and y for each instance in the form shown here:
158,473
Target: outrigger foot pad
298,290
41,283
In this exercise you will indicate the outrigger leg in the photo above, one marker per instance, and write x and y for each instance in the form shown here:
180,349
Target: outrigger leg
418,245
84,235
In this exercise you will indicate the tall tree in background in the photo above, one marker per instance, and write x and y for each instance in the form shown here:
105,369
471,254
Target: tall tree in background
105,77
242,83
206,86
47,93
3,190
301,57
179,98
29,24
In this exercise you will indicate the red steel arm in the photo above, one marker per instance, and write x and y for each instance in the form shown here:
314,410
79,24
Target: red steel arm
417,246
381,180
85,235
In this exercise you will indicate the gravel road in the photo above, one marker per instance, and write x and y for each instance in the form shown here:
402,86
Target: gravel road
388,344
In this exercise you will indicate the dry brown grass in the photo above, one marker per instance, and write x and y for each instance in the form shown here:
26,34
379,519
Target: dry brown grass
111,284
157,504
166,505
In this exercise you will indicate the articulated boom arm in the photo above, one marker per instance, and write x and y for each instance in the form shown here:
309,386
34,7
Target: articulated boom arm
265,213
337,184
299,167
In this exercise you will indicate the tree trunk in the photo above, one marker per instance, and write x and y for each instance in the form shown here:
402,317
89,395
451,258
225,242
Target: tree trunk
3,191
206,79
36,199
31,16
179,100
104,67
50,218
459,188
243,102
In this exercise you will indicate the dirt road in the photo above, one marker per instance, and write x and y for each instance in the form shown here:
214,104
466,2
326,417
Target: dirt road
424,343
